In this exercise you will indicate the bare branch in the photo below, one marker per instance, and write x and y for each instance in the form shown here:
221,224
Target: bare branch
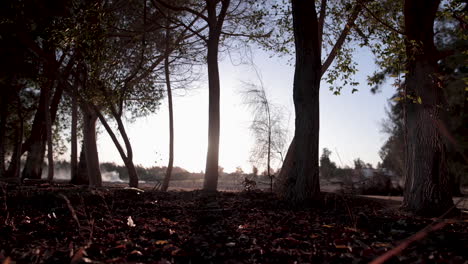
321,20
341,39
180,8
247,35
222,15
187,27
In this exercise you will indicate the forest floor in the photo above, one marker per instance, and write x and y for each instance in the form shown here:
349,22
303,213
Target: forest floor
68,224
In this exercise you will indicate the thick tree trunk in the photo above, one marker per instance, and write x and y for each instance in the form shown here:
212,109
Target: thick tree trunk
427,188
167,178
300,170
90,147
36,143
215,24
15,163
212,158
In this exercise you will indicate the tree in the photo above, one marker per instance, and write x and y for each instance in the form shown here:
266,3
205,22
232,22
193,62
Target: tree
167,178
26,22
179,54
74,138
327,167
427,187
219,20
120,52
299,176
267,127
17,104
392,152
417,55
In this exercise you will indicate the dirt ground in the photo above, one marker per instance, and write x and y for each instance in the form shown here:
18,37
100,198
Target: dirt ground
69,224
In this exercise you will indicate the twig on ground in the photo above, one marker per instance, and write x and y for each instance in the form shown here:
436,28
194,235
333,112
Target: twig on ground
436,225
72,211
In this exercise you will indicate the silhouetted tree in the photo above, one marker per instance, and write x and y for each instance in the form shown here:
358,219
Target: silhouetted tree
267,127
299,176
220,19
327,167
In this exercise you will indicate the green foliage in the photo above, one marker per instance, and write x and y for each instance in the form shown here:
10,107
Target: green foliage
389,48
340,74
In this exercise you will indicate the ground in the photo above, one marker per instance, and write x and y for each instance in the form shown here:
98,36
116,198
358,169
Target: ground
69,224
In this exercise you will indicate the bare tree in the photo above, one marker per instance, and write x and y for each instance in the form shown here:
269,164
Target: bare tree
267,127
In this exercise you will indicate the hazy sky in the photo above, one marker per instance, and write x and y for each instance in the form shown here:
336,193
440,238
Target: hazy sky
349,123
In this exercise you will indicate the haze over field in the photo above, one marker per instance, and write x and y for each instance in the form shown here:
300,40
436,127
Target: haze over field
350,123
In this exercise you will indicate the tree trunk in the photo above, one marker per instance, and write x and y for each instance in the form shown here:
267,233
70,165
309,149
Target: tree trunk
167,178
132,173
427,188
15,164
215,24
269,152
81,176
126,158
74,141
48,122
3,120
455,182
36,143
300,169
90,147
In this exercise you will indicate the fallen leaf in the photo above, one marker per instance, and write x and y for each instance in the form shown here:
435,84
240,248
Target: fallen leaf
78,257
136,252
161,242
379,244
130,222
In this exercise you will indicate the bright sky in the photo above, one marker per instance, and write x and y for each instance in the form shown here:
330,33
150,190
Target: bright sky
349,123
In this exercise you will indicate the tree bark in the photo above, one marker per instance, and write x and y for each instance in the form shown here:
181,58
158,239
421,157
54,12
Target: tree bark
167,178
90,147
301,170
215,23
427,188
